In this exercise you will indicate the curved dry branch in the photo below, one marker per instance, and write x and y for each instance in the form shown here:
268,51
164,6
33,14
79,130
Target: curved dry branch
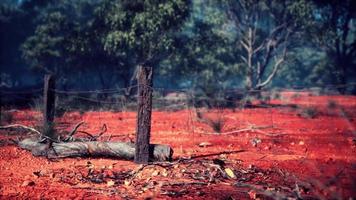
75,129
21,126
70,135
92,137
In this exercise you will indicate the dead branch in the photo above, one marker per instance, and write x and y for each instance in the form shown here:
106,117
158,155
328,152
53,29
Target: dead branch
92,137
95,137
103,130
251,129
21,126
70,135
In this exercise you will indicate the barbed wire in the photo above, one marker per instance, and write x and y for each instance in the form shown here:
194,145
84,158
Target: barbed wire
22,92
102,91
187,90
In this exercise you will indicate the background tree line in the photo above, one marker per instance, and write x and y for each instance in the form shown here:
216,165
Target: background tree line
203,44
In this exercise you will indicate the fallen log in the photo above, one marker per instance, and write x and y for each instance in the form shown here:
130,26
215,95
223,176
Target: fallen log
119,150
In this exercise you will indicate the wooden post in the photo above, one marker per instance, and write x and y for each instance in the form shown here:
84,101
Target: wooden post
143,129
49,105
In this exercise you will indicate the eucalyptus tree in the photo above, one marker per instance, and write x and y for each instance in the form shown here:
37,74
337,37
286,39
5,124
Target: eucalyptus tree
266,30
204,60
334,34
142,31
58,41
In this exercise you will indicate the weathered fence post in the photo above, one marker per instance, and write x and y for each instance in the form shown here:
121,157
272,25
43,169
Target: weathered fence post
143,129
48,105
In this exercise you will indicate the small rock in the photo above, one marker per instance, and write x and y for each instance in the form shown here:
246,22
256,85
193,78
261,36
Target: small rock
205,144
28,183
255,141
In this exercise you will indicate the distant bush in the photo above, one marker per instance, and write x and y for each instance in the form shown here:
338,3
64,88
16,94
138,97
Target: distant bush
309,112
275,95
6,117
295,96
332,104
217,122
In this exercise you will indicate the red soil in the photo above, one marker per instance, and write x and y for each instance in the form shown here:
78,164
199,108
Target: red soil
319,152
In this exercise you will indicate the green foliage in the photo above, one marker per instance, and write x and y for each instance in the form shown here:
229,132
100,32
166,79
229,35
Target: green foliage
194,44
334,33
205,58
103,36
143,29
59,41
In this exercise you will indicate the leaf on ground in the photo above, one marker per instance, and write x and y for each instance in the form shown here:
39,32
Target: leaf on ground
127,183
165,173
230,173
155,173
110,183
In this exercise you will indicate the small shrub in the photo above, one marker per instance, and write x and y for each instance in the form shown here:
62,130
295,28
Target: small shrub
344,114
6,117
199,115
295,96
332,104
309,112
37,104
217,124
276,95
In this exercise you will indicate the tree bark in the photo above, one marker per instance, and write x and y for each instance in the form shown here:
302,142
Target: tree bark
143,129
120,150
49,105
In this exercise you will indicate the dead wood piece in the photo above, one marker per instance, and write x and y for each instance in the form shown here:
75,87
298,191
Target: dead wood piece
120,150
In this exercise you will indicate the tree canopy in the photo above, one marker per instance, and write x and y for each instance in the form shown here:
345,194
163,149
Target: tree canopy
200,44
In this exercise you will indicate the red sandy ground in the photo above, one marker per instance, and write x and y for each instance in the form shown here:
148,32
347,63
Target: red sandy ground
318,151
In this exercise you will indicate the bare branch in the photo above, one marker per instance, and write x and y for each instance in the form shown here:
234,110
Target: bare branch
276,65
21,126
243,58
75,129
245,45
273,73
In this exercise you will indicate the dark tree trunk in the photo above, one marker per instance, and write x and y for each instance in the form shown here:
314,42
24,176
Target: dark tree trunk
144,98
49,105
